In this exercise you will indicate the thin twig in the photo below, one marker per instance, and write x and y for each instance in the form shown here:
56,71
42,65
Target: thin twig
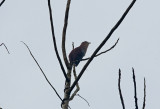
102,44
84,99
2,2
103,51
135,90
42,71
64,35
72,45
119,87
77,85
144,99
54,41
5,47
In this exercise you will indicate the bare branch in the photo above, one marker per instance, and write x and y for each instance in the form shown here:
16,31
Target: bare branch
119,87
54,41
5,47
2,2
64,35
77,85
84,99
42,71
135,90
102,44
144,99
103,51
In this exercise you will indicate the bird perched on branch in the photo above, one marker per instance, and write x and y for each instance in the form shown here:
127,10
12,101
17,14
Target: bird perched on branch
78,53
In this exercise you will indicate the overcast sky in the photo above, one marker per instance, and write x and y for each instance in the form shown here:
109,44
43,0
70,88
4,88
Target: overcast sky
22,85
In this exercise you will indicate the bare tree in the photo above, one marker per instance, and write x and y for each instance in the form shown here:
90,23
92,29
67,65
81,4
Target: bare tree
68,86
68,90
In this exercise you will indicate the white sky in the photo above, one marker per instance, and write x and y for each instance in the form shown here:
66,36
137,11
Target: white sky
22,85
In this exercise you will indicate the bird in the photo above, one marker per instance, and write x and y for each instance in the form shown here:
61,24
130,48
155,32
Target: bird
78,53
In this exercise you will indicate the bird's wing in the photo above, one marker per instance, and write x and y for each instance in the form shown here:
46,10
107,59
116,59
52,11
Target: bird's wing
76,55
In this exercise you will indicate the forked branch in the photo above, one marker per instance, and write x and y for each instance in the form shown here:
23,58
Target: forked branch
102,44
42,71
54,40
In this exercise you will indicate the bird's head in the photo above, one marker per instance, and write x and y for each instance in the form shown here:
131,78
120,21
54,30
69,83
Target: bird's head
84,45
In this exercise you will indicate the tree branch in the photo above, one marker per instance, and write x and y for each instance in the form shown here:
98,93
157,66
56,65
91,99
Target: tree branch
119,87
64,35
102,44
54,41
103,51
84,99
77,85
135,90
2,2
5,47
42,71
144,99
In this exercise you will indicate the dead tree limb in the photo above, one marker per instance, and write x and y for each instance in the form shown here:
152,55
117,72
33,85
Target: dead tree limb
144,99
102,44
135,90
64,35
2,2
5,47
42,71
54,41
119,88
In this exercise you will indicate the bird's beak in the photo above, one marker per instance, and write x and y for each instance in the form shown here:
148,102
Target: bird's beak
89,42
